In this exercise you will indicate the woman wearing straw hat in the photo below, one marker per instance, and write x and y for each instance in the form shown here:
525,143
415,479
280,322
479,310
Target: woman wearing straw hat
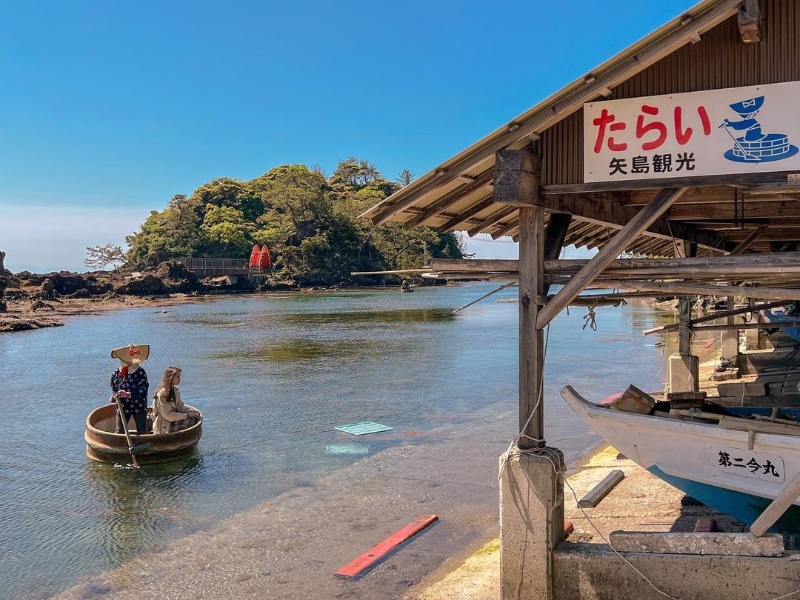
129,384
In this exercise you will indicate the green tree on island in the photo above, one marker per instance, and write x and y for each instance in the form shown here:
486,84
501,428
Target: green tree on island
310,223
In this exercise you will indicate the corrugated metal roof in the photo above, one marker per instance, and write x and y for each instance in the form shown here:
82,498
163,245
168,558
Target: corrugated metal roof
457,195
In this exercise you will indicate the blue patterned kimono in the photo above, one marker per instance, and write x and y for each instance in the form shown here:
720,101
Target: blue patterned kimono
136,406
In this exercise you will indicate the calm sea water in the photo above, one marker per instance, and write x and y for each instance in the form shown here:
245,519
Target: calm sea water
274,375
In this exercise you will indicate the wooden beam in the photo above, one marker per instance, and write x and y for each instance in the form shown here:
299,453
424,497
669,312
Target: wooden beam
554,110
754,209
689,289
733,265
750,22
609,253
654,184
505,229
601,490
515,177
744,245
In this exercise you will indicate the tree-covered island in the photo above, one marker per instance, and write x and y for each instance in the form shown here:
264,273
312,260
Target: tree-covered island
309,221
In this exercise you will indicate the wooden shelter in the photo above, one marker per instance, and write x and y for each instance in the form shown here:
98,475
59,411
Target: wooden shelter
677,159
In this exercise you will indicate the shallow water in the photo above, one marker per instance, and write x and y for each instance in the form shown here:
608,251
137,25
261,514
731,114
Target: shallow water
274,375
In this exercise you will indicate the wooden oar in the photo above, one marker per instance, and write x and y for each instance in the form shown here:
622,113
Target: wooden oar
131,448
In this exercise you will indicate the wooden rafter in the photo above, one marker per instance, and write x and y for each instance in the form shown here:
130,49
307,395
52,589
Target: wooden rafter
638,224
492,219
448,200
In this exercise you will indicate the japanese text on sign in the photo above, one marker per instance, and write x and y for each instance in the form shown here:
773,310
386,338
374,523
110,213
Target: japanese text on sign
754,129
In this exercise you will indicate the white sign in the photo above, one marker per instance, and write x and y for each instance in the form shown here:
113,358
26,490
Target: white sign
747,463
736,130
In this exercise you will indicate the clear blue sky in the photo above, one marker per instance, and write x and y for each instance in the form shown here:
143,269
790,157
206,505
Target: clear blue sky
109,108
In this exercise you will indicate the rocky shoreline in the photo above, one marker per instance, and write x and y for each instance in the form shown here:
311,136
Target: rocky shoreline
33,301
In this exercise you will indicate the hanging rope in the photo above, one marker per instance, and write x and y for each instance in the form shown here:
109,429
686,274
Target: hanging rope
590,319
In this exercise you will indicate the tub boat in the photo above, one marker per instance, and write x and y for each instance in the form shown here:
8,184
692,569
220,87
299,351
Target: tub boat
103,445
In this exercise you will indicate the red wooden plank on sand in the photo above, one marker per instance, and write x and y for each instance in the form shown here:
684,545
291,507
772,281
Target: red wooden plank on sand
376,553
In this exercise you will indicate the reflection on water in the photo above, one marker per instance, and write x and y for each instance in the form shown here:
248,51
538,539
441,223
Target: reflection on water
299,349
421,315
141,505
274,374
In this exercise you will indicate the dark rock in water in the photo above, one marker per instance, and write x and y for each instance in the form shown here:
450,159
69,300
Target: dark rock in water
48,290
149,285
10,323
173,271
40,306
84,293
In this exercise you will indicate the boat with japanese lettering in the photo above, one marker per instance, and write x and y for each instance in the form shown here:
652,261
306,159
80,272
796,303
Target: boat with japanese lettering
736,460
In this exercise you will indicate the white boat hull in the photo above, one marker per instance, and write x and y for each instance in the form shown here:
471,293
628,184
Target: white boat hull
714,465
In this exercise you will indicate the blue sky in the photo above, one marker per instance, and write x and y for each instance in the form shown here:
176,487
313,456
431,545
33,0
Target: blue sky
110,108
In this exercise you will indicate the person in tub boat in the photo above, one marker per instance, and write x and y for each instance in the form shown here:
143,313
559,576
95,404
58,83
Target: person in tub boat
169,412
129,384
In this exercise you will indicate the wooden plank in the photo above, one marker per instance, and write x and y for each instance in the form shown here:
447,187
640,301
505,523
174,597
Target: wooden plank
777,507
741,424
662,201
689,289
601,490
376,553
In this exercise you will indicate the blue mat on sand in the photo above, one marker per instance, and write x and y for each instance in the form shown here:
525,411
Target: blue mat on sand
363,428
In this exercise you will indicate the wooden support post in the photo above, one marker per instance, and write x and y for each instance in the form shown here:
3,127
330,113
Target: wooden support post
639,223
517,183
531,339
554,238
730,337
684,329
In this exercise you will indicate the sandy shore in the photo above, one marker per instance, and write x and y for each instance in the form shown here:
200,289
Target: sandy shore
25,315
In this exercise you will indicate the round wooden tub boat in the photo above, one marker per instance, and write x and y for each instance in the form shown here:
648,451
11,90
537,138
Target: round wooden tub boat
103,445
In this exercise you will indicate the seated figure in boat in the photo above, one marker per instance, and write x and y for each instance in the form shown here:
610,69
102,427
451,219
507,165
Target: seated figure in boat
170,414
129,384
405,285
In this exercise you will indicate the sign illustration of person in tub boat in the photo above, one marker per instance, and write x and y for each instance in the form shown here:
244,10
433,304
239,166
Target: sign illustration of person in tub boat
754,145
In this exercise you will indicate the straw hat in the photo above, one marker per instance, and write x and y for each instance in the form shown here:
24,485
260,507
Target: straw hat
132,354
